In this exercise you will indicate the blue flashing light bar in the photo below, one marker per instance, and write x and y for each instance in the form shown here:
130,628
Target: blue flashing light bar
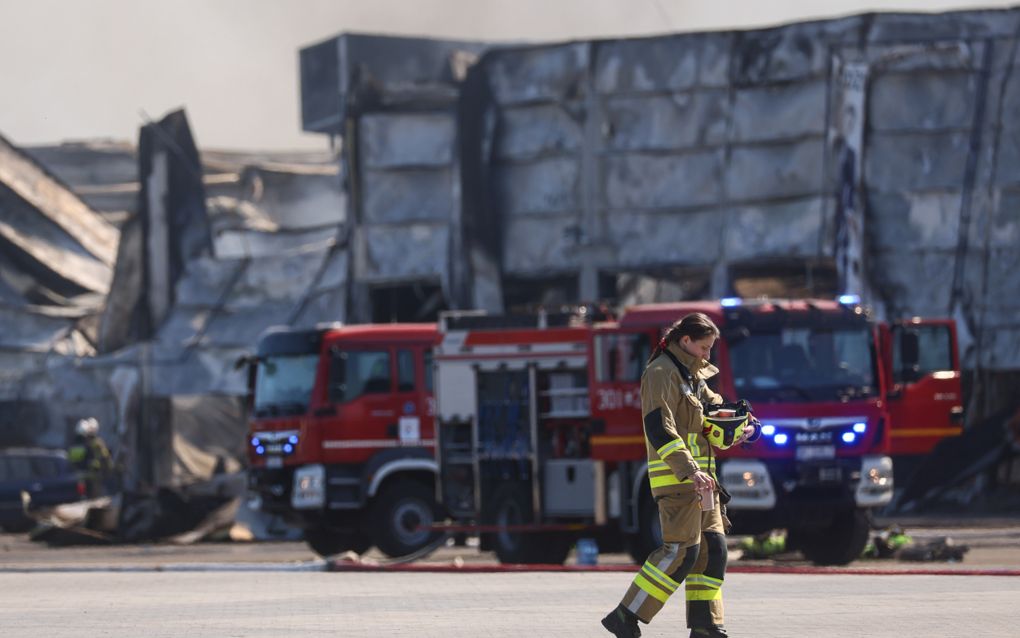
730,302
781,439
849,300
859,428
849,437
768,430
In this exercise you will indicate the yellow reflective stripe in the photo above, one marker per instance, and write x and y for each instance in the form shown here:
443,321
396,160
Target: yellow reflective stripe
705,581
692,442
704,594
660,577
671,447
650,589
657,466
663,481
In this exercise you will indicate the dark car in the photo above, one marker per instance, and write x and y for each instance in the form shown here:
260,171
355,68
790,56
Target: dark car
46,475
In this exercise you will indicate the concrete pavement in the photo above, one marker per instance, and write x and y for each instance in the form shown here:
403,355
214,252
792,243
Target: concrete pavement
539,605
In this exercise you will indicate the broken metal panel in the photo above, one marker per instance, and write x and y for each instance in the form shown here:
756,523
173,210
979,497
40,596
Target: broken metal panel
322,307
241,328
661,64
397,140
296,197
534,131
957,25
922,100
636,181
780,170
782,54
539,74
751,232
645,239
46,250
351,69
119,324
273,280
915,161
175,224
407,196
548,186
907,219
207,280
334,271
911,294
257,244
536,245
637,123
58,204
407,251
27,330
791,110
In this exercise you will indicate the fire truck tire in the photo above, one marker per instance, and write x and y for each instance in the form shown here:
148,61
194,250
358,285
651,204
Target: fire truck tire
649,535
329,542
396,515
511,505
840,543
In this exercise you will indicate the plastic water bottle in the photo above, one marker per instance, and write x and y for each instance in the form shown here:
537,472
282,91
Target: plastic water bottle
587,551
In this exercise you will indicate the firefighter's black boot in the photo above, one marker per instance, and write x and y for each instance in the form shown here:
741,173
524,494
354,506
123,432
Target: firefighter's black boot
621,623
709,632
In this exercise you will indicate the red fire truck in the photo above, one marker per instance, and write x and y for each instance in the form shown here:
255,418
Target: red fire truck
539,426
341,435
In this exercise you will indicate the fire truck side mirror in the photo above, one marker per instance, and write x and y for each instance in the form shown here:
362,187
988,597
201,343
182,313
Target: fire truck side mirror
910,355
337,375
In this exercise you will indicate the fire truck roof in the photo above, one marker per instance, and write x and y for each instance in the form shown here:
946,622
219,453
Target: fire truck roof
663,314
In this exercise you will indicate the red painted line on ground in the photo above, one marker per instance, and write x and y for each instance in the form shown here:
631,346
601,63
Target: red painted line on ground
343,566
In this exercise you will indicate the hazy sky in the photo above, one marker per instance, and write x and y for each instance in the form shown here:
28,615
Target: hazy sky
74,69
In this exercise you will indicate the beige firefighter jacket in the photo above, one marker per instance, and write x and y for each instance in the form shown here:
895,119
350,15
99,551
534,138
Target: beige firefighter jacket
671,410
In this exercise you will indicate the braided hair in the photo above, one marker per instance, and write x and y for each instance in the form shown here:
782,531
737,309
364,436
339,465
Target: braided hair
696,325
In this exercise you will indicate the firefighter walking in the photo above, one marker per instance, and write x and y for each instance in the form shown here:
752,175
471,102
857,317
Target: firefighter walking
681,464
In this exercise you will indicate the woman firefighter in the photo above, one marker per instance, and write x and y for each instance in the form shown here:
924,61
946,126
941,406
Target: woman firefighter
679,435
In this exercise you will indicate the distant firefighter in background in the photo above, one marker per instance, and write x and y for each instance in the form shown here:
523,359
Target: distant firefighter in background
90,456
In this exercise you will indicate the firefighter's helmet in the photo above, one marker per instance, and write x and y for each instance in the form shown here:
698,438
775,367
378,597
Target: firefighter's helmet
724,427
87,427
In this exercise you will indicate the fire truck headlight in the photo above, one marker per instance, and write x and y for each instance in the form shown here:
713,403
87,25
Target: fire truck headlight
294,439
859,428
849,437
260,450
255,441
781,439
768,430
287,448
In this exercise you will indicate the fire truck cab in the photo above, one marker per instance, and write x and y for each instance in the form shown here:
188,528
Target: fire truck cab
341,434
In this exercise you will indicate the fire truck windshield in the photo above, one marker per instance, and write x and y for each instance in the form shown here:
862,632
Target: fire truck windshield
283,384
804,364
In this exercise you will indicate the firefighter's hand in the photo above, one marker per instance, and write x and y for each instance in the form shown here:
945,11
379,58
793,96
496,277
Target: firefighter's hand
751,431
702,481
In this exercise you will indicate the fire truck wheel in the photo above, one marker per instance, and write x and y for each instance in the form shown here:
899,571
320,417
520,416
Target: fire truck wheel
840,543
649,535
511,505
399,512
328,542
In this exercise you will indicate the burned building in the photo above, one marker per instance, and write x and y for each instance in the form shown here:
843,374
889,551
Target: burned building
870,155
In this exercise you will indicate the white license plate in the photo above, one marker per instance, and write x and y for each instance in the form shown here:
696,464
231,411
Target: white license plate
812,452
274,462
